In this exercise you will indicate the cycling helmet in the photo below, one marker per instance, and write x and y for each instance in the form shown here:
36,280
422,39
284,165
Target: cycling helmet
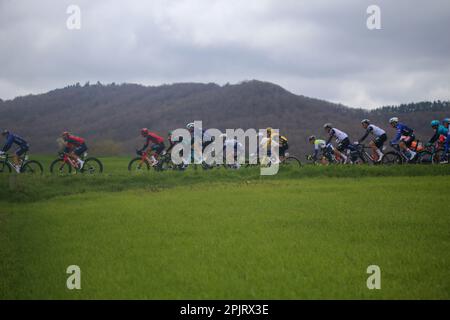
144,131
366,121
393,120
446,120
170,133
190,126
311,138
435,123
327,126
5,132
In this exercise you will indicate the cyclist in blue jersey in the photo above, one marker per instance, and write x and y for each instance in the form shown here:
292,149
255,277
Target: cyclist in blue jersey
404,137
23,147
446,123
439,130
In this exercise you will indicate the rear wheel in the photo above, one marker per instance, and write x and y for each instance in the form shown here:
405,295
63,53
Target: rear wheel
59,166
137,165
391,158
32,167
92,166
292,162
4,167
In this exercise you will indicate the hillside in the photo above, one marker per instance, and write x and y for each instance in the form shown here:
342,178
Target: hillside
110,116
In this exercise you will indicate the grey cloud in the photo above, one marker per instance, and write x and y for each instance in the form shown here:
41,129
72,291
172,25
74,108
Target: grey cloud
317,48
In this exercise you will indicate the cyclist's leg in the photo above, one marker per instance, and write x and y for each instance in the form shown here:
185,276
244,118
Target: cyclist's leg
20,152
342,147
405,144
446,148
78,152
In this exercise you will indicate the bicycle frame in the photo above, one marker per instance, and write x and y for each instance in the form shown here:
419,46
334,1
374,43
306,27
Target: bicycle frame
66,159
7,158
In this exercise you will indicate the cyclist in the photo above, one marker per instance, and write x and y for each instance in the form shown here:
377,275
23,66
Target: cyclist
75,147
171,142
201,135
404,137
270,139
236,146
284,146
440,132
156,142
11,139
325,149
342,140
446,123
377,143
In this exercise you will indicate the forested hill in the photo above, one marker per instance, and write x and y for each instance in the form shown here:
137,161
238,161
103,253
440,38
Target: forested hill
110,116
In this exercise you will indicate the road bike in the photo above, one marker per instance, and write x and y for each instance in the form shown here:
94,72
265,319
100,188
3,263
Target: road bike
64,164
26,166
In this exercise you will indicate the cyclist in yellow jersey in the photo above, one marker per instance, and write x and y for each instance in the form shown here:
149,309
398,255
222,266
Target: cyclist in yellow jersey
271,137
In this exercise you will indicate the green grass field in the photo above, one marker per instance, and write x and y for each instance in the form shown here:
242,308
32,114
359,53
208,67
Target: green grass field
306,233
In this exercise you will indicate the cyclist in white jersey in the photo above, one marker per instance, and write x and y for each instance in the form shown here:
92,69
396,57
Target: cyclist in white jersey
377,143
342,140
235,148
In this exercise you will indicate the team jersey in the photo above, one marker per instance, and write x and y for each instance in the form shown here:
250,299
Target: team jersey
441,131
201,135
74,141
319,144
13,139
372,129
283,140
233,144
402,130
338,135
152,138
376,131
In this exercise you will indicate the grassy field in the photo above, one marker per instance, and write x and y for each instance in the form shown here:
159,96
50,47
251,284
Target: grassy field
306,233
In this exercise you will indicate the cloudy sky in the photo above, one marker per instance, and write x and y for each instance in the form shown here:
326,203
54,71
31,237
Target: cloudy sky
316,48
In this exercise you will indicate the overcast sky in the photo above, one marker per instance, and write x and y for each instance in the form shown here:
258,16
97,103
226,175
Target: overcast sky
316,48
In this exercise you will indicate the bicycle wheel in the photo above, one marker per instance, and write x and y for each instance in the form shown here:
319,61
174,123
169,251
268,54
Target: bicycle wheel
32,167
391,158
137,165
92,166
426,157
291,162
4,167
440,156
59,166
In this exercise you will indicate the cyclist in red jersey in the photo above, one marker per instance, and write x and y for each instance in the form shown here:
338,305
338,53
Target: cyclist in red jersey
75,147
156,142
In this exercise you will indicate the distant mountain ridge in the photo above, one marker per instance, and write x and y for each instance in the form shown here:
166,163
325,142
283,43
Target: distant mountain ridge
110,116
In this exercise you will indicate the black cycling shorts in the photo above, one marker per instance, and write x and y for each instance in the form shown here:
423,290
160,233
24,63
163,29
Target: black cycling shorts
379,141
343,145
22,149
80,150
282,149
158,148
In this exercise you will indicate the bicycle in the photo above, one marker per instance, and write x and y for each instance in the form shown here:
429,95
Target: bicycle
26,166
433,154
64,165
285,161
398,157
165,163
361,153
